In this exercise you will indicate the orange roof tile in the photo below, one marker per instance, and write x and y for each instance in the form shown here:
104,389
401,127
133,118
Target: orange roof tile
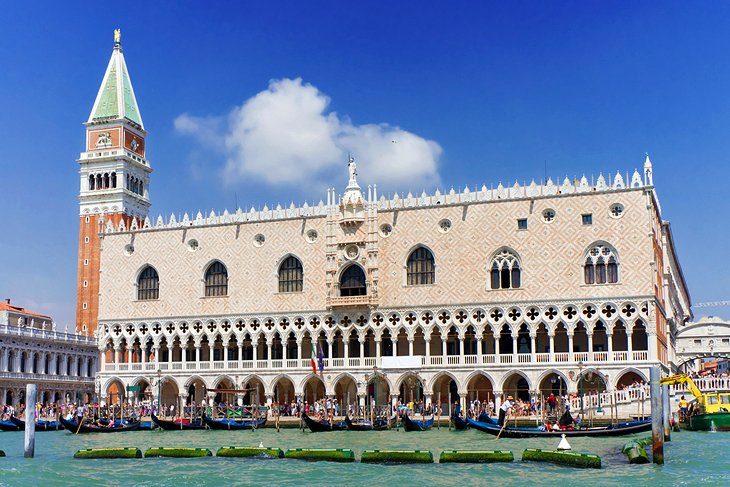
17,309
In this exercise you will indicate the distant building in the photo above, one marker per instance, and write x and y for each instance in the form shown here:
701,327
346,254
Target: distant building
523,289
63,365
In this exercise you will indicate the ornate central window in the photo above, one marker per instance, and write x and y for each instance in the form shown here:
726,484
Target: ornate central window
505,271
420,268
601,265
291,275
216,279
148,284
352,282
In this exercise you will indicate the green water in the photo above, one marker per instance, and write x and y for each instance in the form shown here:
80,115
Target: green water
692,458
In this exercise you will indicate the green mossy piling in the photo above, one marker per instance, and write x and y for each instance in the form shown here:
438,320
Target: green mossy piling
321,454
249,452
397,456
570,459
475,456
635,451
93,453
177,452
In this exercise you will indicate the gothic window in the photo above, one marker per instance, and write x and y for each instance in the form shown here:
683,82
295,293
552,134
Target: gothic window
92,182
114,180
601,265
352,282
148,284
216,280
291,275
106,180
505,271
420,268
98,181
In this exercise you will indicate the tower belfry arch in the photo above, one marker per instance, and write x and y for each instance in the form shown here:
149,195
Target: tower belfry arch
115,174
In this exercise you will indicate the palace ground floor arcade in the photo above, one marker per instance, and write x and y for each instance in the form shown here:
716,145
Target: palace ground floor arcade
55,390
376,385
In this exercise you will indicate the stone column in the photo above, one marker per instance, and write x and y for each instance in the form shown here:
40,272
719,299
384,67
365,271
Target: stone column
156,351
497,401
255,353
240,355
184,354
533,350
346,351
225,354
362,351
129,354
410,347
480,349
426,399
443,349
462,401
570,347
428,352
377,349
197,354
117,356
590,345
552,347
461,346
609,346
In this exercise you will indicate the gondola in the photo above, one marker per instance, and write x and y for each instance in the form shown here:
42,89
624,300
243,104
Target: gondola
179,424
119,426
233,424
417,425
459,423
40,425
8,425
380,424
324,425
610,430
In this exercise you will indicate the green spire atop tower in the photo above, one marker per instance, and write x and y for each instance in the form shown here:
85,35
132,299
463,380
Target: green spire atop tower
116,99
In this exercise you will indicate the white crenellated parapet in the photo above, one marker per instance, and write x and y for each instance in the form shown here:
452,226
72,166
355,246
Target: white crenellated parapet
452,197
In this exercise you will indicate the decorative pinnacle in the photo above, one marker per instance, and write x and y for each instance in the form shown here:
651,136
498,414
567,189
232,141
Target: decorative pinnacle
117,37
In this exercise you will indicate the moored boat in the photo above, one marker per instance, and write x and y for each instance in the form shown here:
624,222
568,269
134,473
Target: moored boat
116,427
379,424
40,425
8,425
233,424
417,425
709,422
179,424
316,426
459,423
620,429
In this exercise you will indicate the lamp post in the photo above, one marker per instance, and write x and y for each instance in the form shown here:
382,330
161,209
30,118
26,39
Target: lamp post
159,389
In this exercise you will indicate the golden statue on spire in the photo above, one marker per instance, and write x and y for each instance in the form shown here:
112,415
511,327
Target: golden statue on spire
117,36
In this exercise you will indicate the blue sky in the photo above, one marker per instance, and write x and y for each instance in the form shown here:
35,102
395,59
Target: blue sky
489,91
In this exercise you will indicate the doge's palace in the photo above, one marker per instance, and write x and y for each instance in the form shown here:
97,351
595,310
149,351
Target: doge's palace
553,286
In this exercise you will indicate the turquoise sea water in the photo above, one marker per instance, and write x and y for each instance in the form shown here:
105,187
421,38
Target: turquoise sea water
692,458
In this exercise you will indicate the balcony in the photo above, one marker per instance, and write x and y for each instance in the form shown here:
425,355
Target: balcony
351,301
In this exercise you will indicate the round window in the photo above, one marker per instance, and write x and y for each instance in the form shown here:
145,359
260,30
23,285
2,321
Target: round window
352,251
193,245
385,230
129,249
312,236
548,215
617,210
444,225
259,240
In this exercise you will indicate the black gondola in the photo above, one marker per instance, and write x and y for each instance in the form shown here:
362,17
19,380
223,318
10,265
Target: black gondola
8,425
610,430
40,425
119,426
233,424
380,424
459,423
324,425
417,425
179,424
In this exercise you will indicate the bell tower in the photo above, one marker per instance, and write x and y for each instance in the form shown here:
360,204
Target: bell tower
114,178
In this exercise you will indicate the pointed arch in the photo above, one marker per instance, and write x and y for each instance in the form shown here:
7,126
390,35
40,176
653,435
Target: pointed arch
601,264
291,274
148,284
353,281
216,279
505,269
420,266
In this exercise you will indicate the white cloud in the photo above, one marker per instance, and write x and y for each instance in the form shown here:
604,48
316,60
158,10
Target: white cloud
285,136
